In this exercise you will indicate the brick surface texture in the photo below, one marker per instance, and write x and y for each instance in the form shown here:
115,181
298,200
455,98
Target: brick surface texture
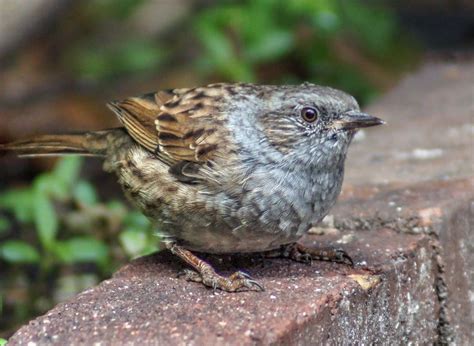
406,218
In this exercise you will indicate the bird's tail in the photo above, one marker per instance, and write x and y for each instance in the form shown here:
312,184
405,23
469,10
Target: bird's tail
91,143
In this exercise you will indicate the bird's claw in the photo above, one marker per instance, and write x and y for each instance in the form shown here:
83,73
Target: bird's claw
342,257
235,282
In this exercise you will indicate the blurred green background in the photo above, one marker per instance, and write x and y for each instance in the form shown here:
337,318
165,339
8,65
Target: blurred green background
64,225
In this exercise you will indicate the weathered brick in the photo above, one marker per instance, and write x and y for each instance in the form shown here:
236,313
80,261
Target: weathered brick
389,296
443,210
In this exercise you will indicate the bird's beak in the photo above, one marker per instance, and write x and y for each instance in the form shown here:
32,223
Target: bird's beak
355,119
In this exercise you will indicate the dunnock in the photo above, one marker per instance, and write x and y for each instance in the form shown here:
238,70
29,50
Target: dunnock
226,168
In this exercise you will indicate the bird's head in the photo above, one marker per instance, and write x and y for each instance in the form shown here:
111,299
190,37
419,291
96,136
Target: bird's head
311,121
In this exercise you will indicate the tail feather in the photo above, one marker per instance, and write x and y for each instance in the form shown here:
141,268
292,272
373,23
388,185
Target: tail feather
86,144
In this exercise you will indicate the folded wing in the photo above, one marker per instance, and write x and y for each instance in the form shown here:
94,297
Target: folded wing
182,127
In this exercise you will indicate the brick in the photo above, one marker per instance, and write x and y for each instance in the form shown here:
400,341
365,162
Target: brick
389,296
443,210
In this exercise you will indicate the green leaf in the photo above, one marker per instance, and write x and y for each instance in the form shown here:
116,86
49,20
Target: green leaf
84,192
362,19
116,205
82,250
212,36
138,55
20,202
16,251
135,219
133,242
45,218
3,342
50,185
270,46
67,169
327,21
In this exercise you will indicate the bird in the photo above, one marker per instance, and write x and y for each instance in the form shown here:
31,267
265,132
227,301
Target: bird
225,168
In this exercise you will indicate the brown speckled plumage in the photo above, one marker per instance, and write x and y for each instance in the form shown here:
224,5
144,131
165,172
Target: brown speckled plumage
225,168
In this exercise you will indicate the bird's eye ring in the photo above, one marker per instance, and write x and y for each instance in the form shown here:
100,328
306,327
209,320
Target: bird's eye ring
309,114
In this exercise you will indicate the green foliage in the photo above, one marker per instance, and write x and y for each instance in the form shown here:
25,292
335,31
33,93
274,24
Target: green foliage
3,342
18,201
83,192
349,44
16,251
45,217
133,240
235,41
67,170
111,51
64,226
104,61
327,42
82,250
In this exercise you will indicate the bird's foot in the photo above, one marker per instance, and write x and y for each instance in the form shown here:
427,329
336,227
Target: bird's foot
205,274
238,281
300,253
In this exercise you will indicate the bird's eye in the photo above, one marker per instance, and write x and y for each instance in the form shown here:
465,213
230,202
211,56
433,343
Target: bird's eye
309,114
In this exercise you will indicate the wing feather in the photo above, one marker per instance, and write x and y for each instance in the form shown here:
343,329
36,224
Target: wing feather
137,116
178,125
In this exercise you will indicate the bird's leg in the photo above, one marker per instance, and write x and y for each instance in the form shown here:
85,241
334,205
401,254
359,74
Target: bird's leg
204,273
301,253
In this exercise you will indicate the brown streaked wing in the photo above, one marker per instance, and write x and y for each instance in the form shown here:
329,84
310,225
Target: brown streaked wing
190,127
138,114
178,125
